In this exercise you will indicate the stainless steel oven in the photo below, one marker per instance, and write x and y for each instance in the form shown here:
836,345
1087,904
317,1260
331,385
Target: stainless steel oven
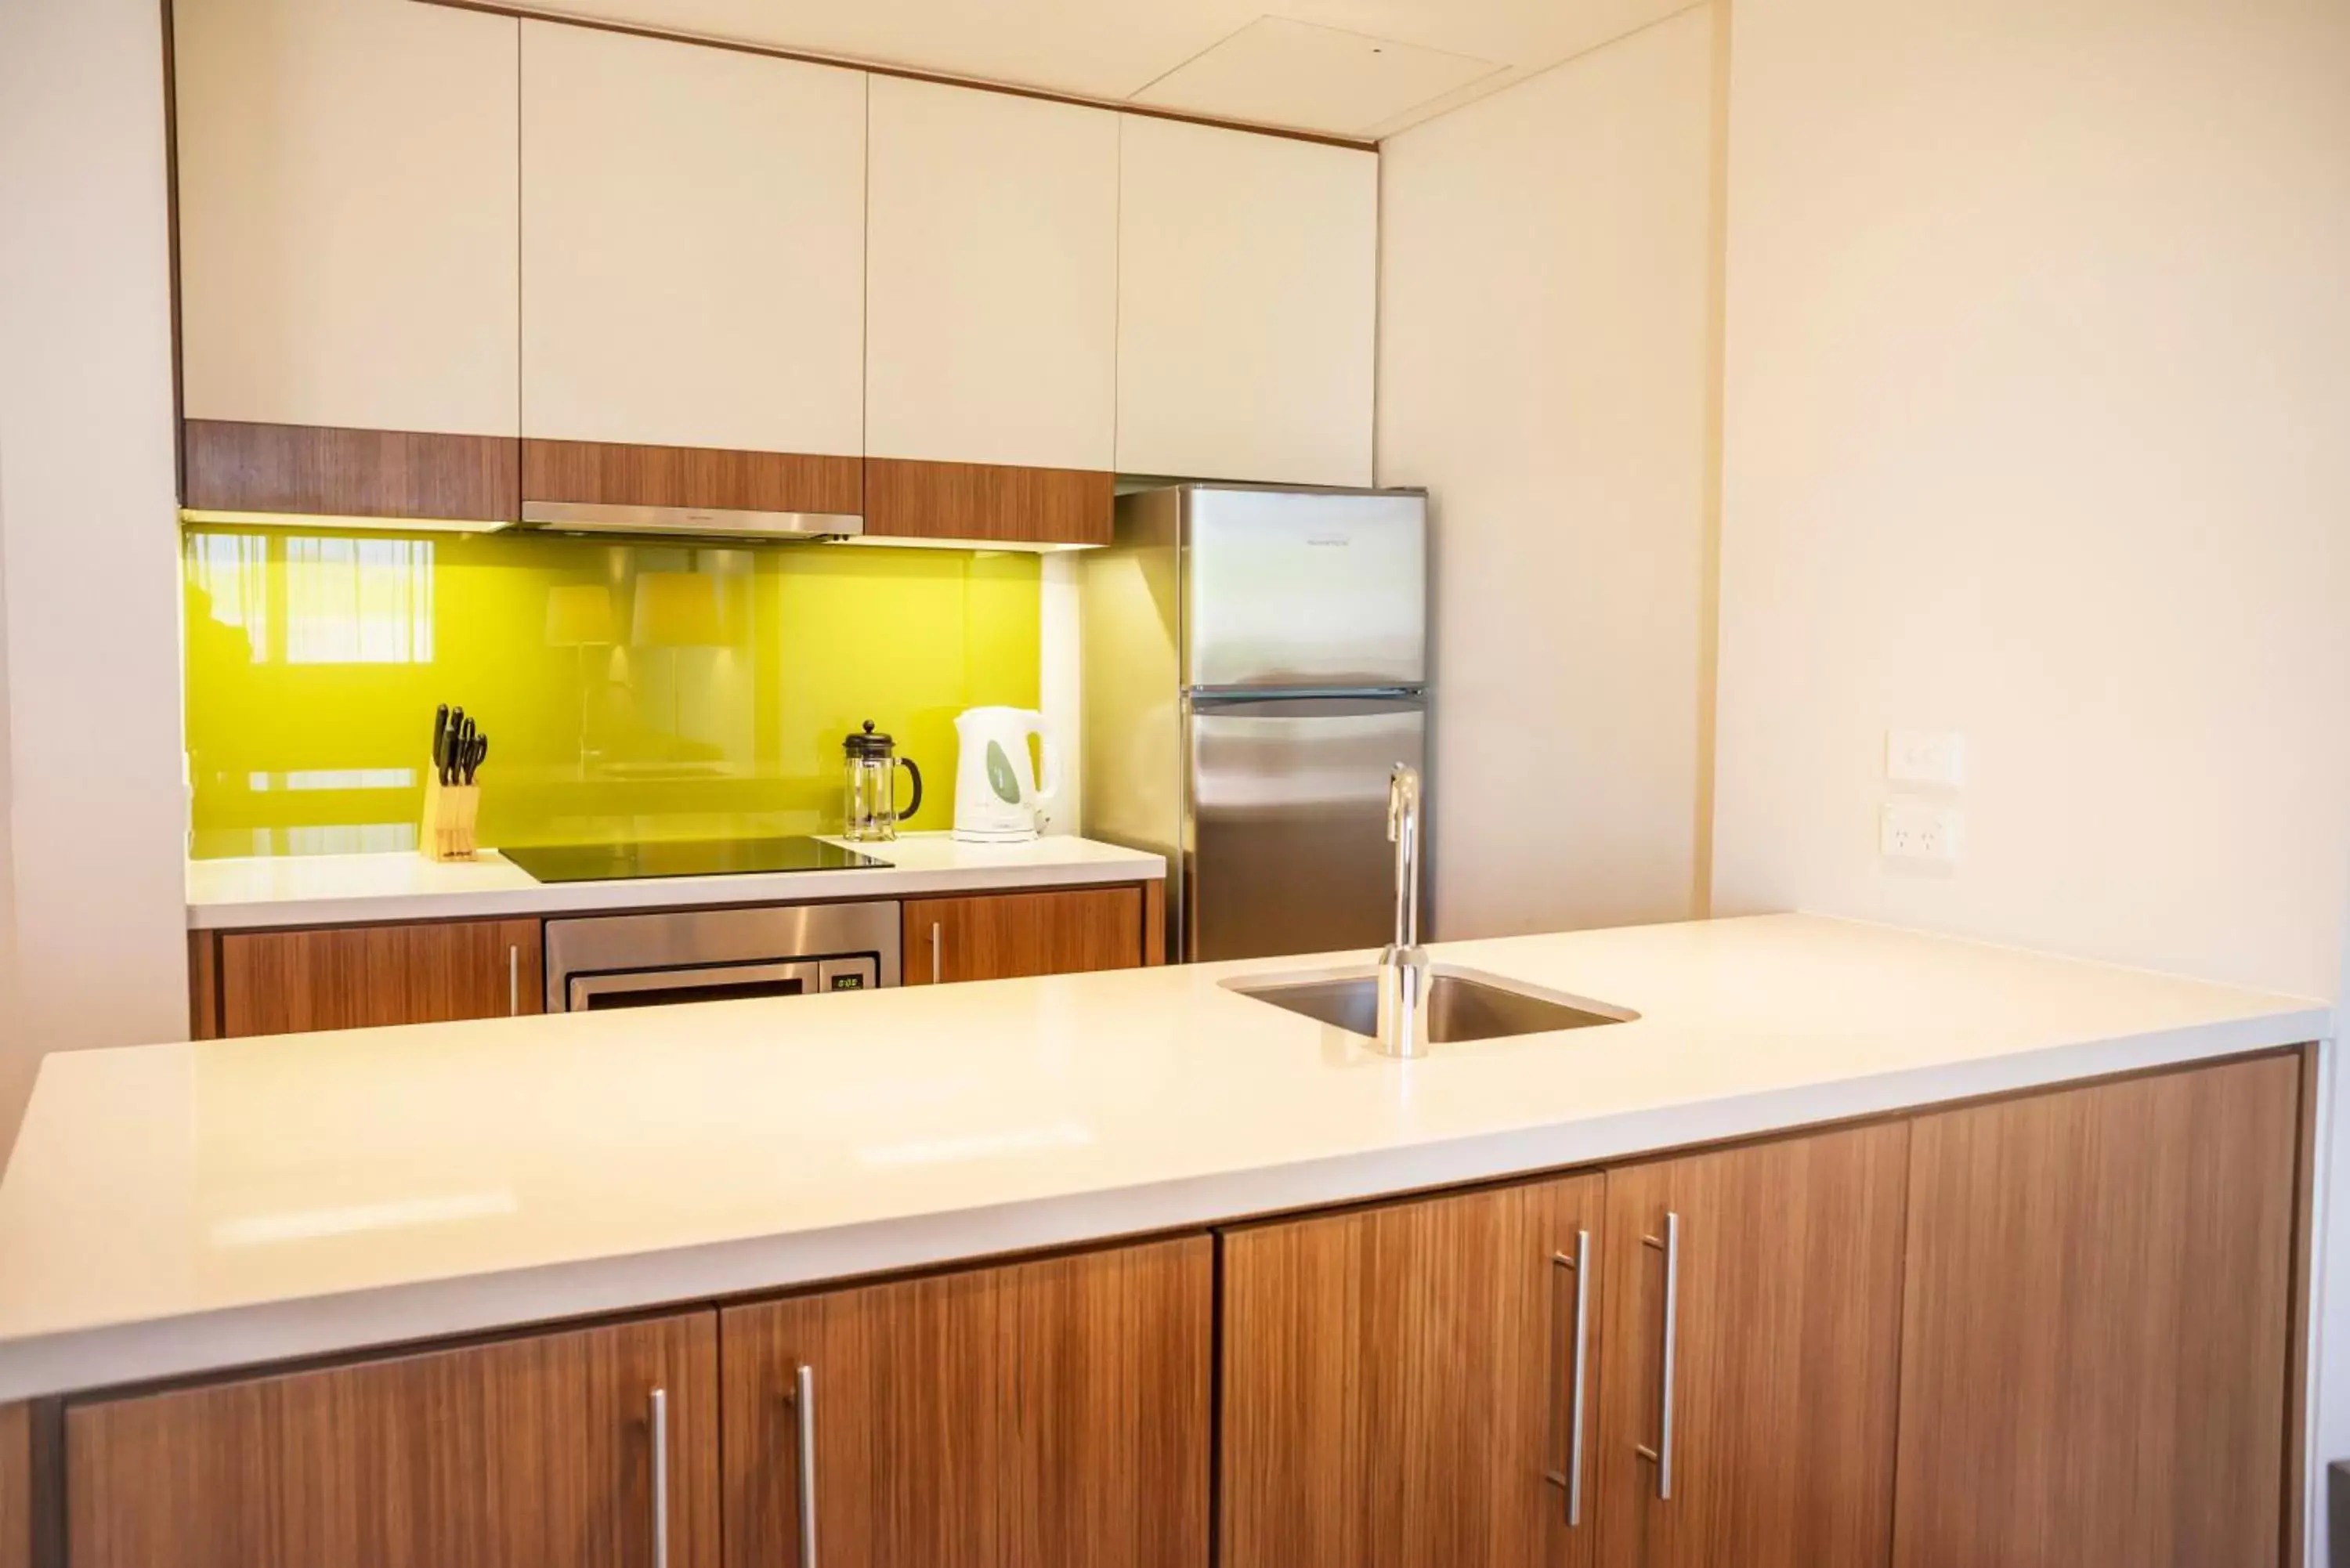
599,962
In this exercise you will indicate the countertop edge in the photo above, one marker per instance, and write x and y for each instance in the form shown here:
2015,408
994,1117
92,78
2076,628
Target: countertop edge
228,1339
678,892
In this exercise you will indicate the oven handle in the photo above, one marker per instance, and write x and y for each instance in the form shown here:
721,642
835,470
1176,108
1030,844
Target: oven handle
584,986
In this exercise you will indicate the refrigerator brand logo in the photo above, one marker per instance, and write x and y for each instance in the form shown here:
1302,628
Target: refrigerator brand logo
1337,544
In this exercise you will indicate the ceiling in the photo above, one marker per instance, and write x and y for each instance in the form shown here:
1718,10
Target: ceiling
1358,69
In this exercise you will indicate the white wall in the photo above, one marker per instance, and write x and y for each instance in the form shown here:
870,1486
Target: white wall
1546,365
2037,427
15,1076
87,532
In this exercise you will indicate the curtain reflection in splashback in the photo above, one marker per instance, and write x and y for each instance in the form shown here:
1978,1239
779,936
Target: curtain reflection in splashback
630,689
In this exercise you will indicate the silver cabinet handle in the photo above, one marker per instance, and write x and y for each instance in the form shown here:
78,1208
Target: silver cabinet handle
660,1402
804,1403
937,946
1663,1452
513,981
1570,1480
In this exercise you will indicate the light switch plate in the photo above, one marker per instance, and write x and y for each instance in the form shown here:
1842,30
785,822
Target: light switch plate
1937,758
1907,830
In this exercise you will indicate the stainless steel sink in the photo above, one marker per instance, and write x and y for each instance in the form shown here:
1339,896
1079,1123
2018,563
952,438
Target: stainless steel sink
1404,1006
1463,1004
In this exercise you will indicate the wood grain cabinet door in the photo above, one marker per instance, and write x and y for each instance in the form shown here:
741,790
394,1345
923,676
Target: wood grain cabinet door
1408,1385
2094,1359
1004,936
15,1486
1046,1415
1753,1329
536,1452
357,977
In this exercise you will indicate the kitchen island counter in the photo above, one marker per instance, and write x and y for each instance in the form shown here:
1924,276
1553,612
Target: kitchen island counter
178,1209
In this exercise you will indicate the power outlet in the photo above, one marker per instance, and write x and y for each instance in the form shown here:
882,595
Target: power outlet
1934,758
1927,833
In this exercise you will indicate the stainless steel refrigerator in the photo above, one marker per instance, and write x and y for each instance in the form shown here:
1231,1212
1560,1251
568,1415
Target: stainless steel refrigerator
1255,663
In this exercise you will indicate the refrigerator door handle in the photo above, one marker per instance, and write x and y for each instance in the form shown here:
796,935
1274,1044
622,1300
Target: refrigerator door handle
1208,698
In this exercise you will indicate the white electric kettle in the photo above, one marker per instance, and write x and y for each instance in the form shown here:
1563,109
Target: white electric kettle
996,797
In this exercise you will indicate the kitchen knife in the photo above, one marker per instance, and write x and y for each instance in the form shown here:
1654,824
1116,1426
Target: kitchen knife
439,733
474,761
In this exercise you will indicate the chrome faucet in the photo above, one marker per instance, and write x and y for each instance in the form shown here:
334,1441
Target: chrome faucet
1403,966
1403,832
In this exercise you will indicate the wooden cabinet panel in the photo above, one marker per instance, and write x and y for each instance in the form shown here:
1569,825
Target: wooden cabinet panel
15,1486
1787,1316
976,501
203,985
1154,921
1003,936
1398,1383
605,473
527,1453
991,322
355,977
1046,1415
1247,305
692,246
2095,1356
348,474
348,204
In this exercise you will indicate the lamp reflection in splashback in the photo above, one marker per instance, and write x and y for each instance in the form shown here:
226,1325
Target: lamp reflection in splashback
676,611
579,616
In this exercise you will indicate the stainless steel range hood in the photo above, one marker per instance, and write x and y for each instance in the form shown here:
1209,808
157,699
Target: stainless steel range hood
689,522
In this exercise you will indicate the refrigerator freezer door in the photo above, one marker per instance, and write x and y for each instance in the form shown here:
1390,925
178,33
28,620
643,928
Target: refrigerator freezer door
1304,588
1287,846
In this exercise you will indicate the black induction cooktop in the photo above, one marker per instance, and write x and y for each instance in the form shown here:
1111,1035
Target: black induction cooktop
704,857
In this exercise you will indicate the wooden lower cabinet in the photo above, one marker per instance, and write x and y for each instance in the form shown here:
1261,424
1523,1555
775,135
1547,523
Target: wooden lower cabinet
1777,1267
15,1486
2096,1363
1051,1414
1399,1382
533,1452
354,977
2048,1332
1005,936
433,972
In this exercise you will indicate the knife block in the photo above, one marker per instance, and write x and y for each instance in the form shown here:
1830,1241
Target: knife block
449,814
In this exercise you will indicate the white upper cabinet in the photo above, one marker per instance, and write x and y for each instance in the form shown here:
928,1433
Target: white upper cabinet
991,244
1247,305
346,214
692,246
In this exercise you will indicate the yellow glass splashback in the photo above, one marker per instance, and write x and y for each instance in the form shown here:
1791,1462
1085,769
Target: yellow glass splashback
629,691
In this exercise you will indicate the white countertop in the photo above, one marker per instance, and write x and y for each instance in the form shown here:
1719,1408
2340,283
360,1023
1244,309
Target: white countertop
348,890
181,1208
